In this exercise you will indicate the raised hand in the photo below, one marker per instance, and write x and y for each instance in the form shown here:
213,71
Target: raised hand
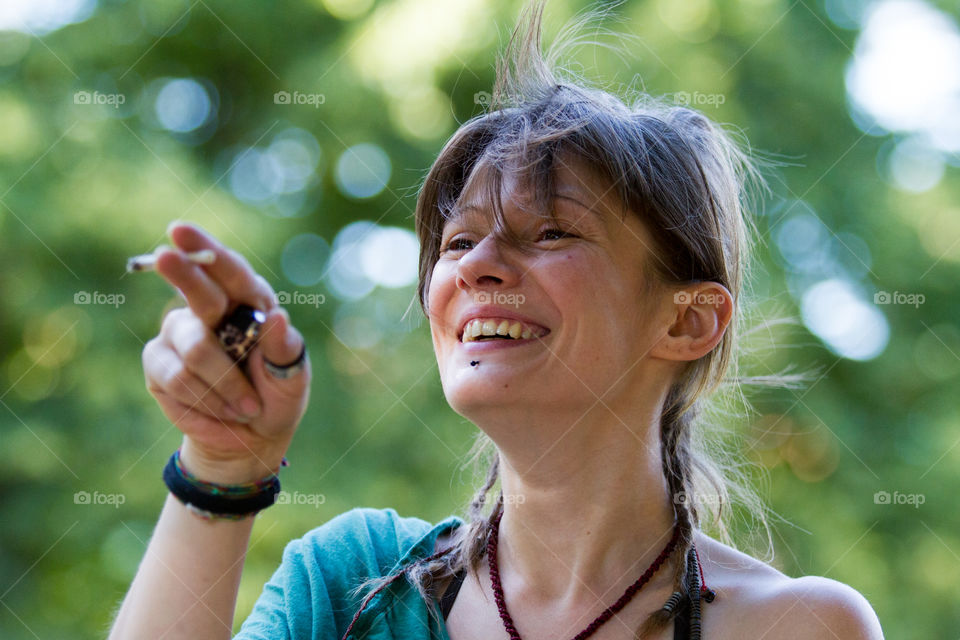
236,428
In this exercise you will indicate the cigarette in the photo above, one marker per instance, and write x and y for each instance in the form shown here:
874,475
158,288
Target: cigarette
148,261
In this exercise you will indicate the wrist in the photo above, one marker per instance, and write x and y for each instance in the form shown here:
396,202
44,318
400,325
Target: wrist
216,501
229,470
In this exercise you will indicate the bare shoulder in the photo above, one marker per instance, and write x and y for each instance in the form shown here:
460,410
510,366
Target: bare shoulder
828,609
755,599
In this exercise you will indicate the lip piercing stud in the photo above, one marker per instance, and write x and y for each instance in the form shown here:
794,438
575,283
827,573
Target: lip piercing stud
474,363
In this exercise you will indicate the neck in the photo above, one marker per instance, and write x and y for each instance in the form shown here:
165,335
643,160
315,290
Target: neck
586,515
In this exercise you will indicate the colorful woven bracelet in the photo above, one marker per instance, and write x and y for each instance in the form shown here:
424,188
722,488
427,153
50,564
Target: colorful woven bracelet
234,490
217,501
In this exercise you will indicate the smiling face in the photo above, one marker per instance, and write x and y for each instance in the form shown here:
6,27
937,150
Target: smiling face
570,303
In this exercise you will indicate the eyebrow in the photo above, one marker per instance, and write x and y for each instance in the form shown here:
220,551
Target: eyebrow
567,196
460,210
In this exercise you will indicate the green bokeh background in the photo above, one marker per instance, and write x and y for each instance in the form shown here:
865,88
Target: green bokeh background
82,187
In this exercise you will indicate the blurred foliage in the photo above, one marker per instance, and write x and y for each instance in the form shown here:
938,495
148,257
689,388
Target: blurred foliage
84,186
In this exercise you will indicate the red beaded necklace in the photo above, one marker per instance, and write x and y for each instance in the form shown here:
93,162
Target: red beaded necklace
603,617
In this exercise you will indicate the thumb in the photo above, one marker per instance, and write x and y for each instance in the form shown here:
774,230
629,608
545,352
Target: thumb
279,344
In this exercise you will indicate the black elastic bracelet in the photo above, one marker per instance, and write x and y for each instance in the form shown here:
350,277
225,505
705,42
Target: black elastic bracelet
210,505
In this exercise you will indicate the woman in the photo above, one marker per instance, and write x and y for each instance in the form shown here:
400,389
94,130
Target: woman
582,270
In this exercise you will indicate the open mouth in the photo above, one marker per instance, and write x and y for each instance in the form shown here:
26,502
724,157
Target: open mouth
485,329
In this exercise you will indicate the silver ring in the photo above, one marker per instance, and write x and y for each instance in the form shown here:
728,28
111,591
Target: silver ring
290,370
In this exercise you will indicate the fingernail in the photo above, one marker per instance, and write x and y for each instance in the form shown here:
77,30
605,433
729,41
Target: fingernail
232,414
250,407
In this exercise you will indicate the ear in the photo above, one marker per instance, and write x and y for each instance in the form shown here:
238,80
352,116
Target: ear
701,313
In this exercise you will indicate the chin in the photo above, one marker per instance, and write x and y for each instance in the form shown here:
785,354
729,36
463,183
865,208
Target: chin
484,387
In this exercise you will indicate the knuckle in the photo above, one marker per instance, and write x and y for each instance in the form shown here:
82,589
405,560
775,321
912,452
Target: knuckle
212,315
152,360
173,319
294,337
217,307
262,284
238,257
233,386
236,281
265,290
195,356
153,387
169,320
179,387
148,350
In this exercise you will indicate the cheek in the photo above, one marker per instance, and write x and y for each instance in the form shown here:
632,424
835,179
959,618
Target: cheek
439,293
580,282
440,282
594,297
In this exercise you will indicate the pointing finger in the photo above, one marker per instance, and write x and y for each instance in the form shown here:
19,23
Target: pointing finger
230,270
206,298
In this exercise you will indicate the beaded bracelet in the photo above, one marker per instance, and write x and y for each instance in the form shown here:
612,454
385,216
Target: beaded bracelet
212,501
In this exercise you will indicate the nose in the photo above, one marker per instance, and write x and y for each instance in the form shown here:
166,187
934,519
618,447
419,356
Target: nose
485,267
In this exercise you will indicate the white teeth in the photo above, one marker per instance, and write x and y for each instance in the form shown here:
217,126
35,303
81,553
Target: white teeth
491,327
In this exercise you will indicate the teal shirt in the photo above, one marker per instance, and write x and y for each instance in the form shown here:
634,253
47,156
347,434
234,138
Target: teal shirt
307,598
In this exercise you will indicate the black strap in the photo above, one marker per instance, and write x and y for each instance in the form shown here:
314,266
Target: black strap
189,494
681,622
446,602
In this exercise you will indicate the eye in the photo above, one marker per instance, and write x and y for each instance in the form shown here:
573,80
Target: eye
555,234
457,244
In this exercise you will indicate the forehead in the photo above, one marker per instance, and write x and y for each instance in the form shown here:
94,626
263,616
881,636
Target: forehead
573,178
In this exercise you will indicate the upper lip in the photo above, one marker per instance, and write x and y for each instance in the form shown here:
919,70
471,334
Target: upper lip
491,311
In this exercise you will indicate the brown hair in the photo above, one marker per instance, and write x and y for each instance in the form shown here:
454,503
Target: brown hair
689,181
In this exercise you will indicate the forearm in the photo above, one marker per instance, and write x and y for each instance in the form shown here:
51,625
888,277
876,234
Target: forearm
187,583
